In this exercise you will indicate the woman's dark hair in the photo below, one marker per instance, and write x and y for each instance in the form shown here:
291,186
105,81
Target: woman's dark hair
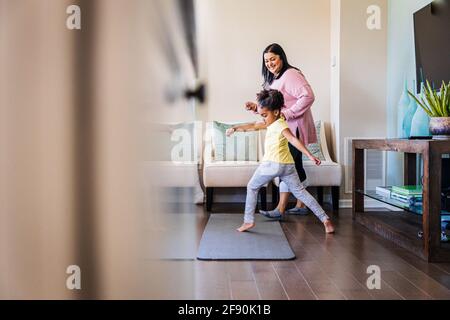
270,99
274,48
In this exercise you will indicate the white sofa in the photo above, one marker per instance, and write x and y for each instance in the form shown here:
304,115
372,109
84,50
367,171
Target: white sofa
228,174
328,174
178,173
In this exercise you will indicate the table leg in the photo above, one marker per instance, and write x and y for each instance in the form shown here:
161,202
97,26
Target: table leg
431,204
358,181
410,169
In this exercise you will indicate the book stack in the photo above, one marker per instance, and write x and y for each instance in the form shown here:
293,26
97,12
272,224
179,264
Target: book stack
411,195
384,191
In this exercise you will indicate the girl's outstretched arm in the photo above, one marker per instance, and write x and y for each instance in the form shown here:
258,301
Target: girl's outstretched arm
246,127
299,145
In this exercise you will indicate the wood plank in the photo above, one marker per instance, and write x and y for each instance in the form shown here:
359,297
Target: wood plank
211,281
267,281
319,282
244,290
443,266
239,270
294,284
163,280
404,287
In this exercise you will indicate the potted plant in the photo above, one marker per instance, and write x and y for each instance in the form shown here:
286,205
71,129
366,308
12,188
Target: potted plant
437,106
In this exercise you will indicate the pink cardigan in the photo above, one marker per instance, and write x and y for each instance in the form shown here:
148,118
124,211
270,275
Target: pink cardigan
298,99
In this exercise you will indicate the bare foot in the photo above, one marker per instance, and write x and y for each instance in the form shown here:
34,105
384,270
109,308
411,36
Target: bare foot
329,228
245,227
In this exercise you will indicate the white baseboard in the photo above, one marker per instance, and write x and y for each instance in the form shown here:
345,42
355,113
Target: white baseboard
238,196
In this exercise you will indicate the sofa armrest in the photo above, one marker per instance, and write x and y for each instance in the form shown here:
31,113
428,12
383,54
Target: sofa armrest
208,144
207,154
323,142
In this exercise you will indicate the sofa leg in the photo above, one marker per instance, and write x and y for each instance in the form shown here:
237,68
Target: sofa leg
275,194
209,198
263,194
320,195
335,197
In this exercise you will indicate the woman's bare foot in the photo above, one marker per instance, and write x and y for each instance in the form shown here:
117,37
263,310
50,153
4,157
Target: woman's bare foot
245,227
329,228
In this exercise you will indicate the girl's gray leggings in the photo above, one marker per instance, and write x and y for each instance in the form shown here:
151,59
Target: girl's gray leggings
270,170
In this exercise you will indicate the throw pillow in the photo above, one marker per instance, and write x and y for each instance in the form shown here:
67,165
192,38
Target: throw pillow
315,148
241,146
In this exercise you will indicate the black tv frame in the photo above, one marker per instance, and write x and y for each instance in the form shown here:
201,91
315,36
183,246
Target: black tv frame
433,8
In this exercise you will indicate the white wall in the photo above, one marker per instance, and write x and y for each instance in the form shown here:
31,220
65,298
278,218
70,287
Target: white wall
401,68
335,72
363,59
232,36
351,95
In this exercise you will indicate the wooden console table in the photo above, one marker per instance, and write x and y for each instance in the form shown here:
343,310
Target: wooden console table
402,227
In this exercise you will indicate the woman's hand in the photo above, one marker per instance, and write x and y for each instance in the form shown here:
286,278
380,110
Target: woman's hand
230,131
251,106
314,159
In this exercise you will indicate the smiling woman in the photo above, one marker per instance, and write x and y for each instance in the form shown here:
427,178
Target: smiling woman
273,62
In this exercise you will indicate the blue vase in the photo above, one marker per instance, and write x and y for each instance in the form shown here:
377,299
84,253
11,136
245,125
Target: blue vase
407,120
402,108
420,126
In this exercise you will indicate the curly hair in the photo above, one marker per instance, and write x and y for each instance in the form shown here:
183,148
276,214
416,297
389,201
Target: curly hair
271,99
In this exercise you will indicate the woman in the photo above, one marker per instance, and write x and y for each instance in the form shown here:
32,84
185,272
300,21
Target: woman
298,96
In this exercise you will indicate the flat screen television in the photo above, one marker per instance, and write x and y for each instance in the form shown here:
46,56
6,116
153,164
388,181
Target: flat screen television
432,41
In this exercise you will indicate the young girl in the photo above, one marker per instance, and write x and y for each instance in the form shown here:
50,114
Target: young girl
277,161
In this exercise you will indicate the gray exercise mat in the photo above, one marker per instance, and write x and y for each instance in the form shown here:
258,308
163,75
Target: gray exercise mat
221,241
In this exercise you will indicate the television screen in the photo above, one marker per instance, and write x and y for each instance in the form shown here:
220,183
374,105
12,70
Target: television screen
432,40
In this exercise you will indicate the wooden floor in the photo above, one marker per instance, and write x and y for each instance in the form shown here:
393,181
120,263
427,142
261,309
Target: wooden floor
326,267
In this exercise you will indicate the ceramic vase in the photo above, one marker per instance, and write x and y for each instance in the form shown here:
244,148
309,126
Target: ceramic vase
402,109
420,124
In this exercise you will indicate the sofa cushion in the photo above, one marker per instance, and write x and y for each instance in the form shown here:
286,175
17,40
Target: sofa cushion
228,173
327,174
241,146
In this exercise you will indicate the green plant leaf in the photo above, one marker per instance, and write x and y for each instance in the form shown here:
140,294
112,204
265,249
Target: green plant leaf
430,95
445,95
442,100
433,103
422,105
